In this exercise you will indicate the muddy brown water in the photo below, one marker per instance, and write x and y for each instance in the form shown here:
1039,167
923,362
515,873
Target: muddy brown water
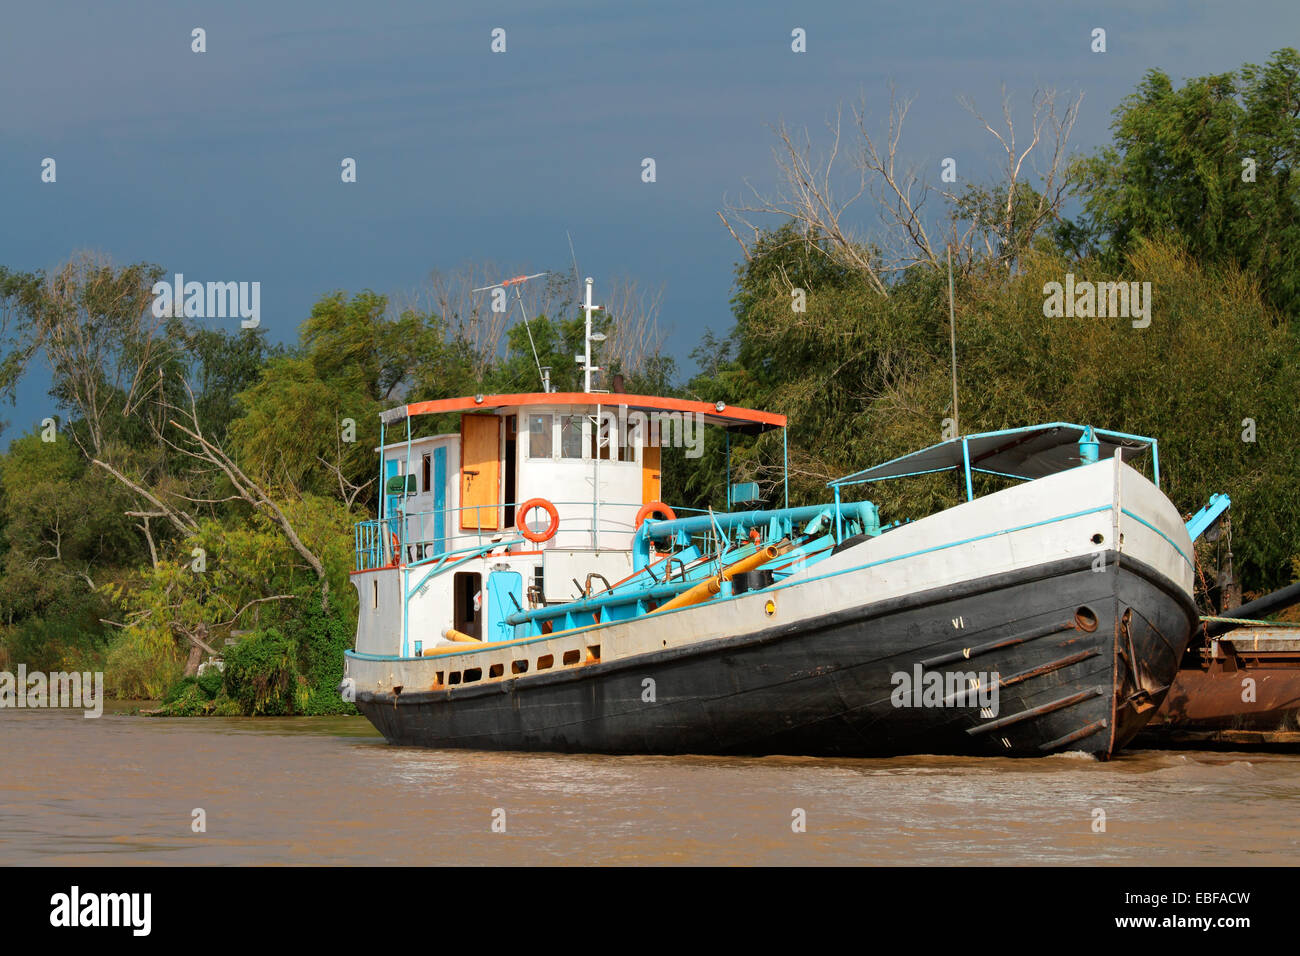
122,789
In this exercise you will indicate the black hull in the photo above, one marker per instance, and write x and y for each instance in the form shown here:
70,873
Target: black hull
822,686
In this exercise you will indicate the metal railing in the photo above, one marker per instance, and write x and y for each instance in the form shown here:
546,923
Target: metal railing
414,538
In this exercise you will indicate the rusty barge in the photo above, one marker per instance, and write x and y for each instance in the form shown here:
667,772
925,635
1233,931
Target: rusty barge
1239,686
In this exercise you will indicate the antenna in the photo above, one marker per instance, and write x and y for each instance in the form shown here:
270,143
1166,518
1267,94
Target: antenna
577,276
519,281
952,329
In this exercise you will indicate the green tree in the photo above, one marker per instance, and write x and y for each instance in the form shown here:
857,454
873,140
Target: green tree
354,360
239,573
63,526
1212,164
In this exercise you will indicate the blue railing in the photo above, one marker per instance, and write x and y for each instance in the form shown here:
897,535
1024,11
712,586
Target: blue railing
426,535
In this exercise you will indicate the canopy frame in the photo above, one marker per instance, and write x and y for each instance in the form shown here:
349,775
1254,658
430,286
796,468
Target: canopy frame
1023,454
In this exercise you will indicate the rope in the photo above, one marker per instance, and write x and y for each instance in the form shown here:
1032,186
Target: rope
1212,619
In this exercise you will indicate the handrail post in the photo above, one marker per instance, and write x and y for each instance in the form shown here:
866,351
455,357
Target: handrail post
785,459
965,457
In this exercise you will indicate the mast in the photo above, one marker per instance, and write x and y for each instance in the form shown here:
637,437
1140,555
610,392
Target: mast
587,368
585,358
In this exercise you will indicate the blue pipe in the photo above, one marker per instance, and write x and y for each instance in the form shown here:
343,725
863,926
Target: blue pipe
603,600
863,511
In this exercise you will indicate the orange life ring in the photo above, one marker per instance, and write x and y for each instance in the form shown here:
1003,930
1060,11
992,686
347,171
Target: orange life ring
537,537
654,507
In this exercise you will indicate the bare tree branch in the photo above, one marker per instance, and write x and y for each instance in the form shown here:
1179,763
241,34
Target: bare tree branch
739,241
807,196
895,188
179,519
206,450
347,490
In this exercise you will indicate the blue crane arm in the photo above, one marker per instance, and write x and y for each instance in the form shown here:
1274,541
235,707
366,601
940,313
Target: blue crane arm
1202,520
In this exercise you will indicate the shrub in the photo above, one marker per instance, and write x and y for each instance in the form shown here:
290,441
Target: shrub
322,637
261,674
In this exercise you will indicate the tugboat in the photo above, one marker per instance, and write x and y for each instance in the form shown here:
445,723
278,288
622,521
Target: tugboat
525,588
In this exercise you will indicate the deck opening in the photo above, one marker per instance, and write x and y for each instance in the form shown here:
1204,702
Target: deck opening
593,653
496,670
545,662
454,677
1085,619
467,585
473,674
518,667
572,657
511,458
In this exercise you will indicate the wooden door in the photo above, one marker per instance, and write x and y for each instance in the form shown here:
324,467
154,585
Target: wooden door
650,474
480,472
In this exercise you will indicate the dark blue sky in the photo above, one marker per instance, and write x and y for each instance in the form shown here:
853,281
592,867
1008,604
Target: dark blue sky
225,165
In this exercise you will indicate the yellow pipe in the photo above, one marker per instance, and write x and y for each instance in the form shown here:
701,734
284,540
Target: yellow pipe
711,586
451,634
700,592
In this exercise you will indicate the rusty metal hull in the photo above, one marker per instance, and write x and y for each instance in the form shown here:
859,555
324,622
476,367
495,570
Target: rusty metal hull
1245,692
1082,660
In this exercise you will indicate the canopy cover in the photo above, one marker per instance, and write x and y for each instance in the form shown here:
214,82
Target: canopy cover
1026,453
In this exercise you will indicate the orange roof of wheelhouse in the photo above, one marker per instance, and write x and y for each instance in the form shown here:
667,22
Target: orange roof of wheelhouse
728,415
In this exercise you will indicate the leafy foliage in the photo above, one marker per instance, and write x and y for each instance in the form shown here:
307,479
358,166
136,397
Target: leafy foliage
261,674
1177,169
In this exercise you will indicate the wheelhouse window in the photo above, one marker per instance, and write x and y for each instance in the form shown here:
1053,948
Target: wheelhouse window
571,436
600,439
635,437
539,436
628,442
617,443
